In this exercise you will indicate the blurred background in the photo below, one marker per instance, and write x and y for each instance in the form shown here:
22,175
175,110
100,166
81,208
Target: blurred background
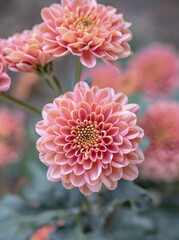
152,212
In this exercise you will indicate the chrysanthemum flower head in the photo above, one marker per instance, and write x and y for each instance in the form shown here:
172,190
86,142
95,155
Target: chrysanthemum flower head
161,126
42,233
89,137
86,29
5,80
104,75
24,51
158,69
11,136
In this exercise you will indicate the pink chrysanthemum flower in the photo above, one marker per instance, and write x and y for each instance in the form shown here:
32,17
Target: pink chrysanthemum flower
160,124
86,29
11,136
90,137
158,69
104,75
24,51
42,233
5,80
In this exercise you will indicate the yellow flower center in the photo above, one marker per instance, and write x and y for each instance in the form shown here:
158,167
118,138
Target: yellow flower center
87,135
78,21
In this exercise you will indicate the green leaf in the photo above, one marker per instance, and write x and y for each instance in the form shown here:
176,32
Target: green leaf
127,224
70,232
126,191
166,224
18,220
98,235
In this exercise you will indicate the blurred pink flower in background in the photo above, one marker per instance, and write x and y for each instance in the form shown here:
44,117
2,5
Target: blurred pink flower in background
90,137
158,69
161,125
161,164
5,80
11,136
104,75
24,51
161,122
25,84
86,29
42,233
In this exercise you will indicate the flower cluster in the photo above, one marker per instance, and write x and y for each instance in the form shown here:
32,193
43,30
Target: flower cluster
86,29
5,80
160,124
158,69
42,233
11,136
90,137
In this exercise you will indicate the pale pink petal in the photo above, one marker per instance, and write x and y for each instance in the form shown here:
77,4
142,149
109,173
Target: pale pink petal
130,172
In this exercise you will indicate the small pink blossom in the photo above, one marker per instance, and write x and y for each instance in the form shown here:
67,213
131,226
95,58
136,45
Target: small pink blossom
5,80
24,51
11,136
89,137
158,69
86,29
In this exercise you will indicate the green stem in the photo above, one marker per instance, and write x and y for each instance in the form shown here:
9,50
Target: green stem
19,103
78,70
53,83
47,72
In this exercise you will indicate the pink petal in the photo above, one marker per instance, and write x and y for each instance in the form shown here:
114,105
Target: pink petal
65,130
60,140
77,181
107,157
60,159
50,158
82,114
130,172
95,171
66,169
78,169
60,121
88,59
132,108
54,173
116,174
113,148
85,190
